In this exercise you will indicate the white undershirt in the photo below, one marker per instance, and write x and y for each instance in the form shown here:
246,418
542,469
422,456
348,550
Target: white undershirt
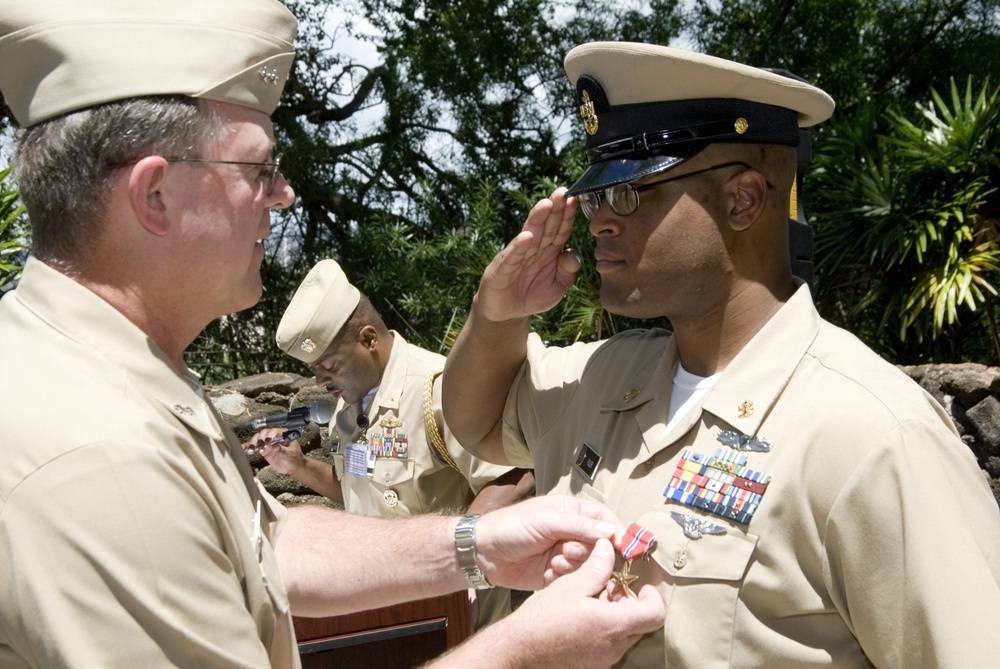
687,394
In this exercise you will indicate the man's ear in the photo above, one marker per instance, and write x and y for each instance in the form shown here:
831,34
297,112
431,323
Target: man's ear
748,192
368,336
145,184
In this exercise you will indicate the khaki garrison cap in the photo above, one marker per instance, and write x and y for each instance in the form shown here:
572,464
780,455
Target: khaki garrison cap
320,308
648,108
61,56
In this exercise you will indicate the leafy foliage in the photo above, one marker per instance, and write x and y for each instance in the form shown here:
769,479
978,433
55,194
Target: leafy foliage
417,157
13,233
907,228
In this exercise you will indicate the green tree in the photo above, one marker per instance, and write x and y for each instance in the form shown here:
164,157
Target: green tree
907,226
857,50
410,168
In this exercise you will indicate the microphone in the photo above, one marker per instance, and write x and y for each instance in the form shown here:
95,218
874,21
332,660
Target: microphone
320,413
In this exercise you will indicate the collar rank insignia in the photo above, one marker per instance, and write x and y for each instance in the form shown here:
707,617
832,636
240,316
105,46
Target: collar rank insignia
741,442
695,528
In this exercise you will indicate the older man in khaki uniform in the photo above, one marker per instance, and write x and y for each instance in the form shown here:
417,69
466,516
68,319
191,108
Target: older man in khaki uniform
132,532
393,454
813,507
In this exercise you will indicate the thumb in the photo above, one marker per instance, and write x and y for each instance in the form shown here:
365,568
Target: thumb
593,575
570,261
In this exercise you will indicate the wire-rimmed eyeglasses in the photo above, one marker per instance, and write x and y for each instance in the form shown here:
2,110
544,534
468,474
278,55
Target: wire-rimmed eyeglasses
624,198
269,170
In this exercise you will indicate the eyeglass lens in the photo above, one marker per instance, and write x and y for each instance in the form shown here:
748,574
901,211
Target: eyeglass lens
624,198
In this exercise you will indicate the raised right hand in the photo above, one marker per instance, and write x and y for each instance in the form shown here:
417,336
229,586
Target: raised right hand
533,272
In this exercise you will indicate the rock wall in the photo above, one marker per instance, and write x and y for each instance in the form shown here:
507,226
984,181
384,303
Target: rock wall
971,395
969,392
244,399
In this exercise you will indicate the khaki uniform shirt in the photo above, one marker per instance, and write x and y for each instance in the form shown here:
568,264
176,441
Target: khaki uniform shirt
126,507
876,540
421,482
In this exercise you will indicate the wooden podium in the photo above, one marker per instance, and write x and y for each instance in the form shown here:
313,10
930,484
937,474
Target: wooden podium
398,637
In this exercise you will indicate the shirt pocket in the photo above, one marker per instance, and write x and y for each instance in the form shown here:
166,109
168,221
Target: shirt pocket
393,487
700,580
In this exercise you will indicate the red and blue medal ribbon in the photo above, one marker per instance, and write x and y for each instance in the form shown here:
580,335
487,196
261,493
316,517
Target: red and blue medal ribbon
637,541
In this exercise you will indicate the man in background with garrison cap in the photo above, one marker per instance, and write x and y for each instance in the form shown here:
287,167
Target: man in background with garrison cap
393,455
132,532
812,506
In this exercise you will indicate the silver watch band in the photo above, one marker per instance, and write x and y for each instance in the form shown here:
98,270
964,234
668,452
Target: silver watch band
465,549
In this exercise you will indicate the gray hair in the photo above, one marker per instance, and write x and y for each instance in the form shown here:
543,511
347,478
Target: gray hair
65,166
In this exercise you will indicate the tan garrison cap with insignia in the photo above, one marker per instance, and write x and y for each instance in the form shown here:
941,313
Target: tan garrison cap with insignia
648,108
61,56
322,305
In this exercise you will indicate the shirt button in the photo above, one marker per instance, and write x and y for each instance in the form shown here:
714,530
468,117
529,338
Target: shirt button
680,561
388,478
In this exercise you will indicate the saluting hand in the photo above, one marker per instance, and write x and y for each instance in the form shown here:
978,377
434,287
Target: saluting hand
533,272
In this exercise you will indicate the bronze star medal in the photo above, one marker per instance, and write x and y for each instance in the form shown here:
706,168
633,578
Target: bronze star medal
623,580
637,542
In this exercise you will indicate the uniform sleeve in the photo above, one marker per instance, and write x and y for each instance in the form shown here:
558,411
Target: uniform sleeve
117,557
543,388
914,553
479,473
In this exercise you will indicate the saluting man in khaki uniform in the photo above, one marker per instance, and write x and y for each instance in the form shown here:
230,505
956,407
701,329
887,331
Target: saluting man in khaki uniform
813,507
393,454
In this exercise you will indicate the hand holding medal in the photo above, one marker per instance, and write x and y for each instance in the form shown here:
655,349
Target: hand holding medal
637,542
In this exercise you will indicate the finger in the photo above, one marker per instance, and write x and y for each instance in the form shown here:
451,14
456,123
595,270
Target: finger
574,551
581,506
589,521
648,611
592,577
512,256
558,224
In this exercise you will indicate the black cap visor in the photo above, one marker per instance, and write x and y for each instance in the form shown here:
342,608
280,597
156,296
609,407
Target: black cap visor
607,173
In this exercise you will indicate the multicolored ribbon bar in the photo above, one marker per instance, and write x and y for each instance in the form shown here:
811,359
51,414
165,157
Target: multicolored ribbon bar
721,484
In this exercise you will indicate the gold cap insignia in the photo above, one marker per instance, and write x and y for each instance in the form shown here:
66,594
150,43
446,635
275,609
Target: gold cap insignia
308,345
587,114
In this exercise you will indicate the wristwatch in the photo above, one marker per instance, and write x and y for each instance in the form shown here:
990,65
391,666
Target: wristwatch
465,549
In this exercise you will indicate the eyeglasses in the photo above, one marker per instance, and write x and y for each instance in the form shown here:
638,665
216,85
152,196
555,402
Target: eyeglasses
624,198
269,171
